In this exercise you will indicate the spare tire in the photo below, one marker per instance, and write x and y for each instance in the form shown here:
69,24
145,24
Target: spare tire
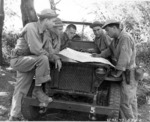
30,112
114,100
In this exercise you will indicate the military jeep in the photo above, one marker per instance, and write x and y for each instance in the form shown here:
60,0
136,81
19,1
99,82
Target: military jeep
82,87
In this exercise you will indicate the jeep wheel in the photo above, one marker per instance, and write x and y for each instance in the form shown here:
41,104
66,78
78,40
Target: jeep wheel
30,112
114,100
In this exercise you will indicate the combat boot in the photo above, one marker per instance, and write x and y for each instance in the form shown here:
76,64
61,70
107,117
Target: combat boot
41,96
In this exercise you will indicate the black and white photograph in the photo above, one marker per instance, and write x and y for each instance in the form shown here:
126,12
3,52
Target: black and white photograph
75,60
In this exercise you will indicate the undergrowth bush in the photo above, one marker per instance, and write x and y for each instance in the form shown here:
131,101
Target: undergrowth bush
8,43
143,54
143,57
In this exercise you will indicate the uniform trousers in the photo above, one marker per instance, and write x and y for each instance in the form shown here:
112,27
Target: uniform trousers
128,108
27,67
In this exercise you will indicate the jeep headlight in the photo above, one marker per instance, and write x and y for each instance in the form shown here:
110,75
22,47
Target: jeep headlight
100,72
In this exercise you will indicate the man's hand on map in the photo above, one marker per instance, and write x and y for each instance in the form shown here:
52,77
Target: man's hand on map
96,55
86,50
91,50
81,50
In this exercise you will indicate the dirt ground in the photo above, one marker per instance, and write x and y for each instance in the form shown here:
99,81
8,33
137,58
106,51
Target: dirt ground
6,90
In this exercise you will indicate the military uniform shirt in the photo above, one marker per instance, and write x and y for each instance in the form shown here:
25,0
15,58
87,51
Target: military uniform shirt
32,34
102,42
51,43
123,51
64,41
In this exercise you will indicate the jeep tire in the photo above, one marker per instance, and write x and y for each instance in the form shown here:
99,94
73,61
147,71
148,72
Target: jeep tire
114,100
30,112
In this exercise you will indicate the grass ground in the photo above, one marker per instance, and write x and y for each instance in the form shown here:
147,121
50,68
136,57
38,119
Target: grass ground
6,91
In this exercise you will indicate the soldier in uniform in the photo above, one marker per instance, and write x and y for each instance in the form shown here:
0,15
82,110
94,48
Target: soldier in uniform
68,35
101,39
52,42
29,59
122,51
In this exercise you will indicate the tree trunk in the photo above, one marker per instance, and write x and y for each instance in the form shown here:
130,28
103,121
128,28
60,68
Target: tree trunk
1,29
28,11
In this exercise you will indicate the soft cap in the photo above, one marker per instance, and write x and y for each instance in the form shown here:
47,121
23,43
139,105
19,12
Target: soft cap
47,13
58,22
96,23
108,22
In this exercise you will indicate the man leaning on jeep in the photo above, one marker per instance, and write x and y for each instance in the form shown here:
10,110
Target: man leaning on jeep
29,59
122,51
101,39
68,35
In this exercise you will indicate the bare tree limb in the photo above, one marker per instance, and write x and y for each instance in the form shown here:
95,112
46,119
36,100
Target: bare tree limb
57,2
53,5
